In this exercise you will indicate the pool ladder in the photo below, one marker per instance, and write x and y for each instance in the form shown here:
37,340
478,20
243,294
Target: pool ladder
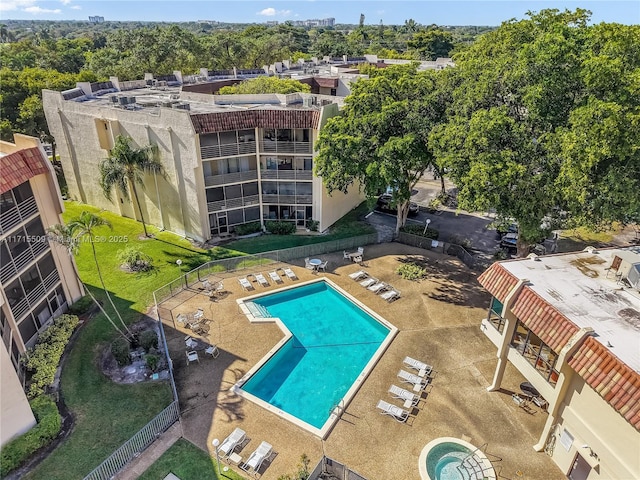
339,407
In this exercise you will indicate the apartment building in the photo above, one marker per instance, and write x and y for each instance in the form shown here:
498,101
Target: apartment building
228,160
570,324
37,282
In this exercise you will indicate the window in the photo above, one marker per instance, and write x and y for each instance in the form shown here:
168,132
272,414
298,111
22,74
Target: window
17,243
287,188
22,192
27,328
30,280
537,353
304,188
249,189
270,188
46,265
495,314
232,191
14,292
215,194
252,214
285,164
566,439
6,201
235,217
272,163
42,313
308,164
35,229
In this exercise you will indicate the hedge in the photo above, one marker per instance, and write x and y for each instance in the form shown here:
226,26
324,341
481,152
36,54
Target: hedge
18,450
419,230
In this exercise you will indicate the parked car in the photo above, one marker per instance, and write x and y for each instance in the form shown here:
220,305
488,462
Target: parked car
384,205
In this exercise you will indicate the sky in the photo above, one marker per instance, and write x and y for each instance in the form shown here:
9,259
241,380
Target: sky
426,12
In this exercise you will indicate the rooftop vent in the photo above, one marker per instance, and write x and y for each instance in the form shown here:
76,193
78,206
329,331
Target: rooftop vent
590,249
534,257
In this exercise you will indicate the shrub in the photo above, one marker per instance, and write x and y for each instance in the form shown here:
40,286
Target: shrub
43,359
411,271
414,229
500,254
152,362
120,351
462,241
303,470
134,259
248,228
82,305
281,228
313,224
18,450
148,340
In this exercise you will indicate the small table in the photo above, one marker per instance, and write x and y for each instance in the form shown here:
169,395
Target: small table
235,458
316,262
408,404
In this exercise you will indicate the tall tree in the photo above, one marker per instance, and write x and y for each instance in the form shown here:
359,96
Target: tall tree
431,44
266,85
125,168
380,139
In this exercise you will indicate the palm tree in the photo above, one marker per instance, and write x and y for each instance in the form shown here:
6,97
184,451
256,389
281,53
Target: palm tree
125,167
67,237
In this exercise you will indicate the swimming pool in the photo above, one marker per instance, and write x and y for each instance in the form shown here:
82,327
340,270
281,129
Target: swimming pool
331,343
448,458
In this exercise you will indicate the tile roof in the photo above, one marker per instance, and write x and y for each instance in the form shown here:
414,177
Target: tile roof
20,166
498,281
614,381
266,118
544,320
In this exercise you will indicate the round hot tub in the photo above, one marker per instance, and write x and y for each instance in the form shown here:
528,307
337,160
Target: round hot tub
448,458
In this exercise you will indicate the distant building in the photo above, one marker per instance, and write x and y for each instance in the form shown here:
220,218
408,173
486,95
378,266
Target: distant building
96,19
272,23
315,22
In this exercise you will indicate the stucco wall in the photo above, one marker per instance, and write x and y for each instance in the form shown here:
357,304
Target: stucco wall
16,416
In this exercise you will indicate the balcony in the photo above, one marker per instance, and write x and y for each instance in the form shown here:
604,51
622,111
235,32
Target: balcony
275,146
238,177
287,199
229,150
233,203
36,295
18,214
12,268
286,174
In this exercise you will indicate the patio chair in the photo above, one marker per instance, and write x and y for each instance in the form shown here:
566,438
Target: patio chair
308,265
212,350
275,277
323,266
361,251
199,315
422,368
366,283
290,274
190,342
346,255
181,319
378,287
258,457
192,356
232,442
410,399
418,382
397,413
261,280
358,275
206,285
357,259
245,284
390,295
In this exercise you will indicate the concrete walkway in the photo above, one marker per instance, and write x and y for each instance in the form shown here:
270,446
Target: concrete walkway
139,465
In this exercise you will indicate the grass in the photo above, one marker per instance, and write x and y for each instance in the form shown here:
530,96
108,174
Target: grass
187,462
350,225
578,238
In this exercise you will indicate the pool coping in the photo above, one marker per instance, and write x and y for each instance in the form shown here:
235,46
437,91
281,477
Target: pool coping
486,463
324,431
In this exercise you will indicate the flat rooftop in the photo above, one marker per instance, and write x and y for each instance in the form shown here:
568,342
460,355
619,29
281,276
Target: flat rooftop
584,288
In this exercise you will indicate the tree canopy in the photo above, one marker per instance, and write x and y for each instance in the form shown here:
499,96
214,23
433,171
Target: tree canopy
266,85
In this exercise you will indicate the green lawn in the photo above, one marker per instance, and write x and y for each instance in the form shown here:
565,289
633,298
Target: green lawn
578,238
187,462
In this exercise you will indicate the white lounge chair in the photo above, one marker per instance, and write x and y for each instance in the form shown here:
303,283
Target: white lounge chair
366,283
358,275
410,399
261,280
378,287
422,368
390,295
290,273
275,277
257,457
418,382
232,441
246,284
397,413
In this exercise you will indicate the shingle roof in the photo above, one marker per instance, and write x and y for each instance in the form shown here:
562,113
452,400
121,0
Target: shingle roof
18,167
545,321
614,381
498,281
240,120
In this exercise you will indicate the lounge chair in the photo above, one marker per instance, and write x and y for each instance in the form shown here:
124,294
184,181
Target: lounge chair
246,284
422,368
261,280
378,287
390,295
366,283
198,315
290,273
358,275
410,399
232,441
257,457
397,413
275,277
418,382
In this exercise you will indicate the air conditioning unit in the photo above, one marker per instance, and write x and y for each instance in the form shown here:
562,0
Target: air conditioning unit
307,101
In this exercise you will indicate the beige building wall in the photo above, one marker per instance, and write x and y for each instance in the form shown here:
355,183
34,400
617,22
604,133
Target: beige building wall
16,416
170,202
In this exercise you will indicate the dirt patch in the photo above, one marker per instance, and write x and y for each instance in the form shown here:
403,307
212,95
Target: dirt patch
583,264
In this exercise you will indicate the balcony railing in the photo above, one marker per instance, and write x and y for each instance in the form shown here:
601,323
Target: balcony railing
275,146
233,203
287,199
36,295
229,150
286,174
12,268
238,177
17,214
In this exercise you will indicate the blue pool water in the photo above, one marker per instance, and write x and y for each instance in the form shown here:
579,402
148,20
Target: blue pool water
333,340
444,459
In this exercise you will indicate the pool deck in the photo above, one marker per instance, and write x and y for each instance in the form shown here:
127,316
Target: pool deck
439,322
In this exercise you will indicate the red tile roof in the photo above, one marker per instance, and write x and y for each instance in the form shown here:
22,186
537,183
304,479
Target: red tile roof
546,322
614,381
18,167
498,281
240,120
